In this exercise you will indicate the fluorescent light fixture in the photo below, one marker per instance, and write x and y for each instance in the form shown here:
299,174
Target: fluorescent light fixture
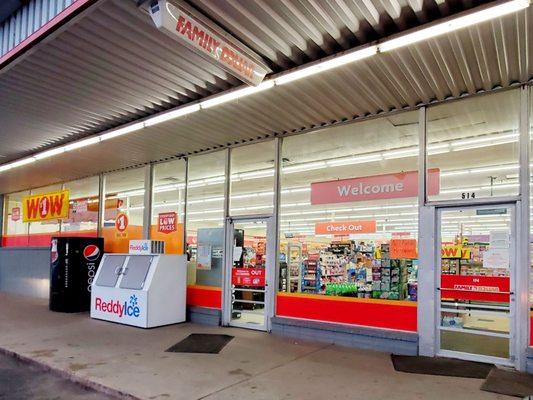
353,160
327,65
236,94
483,139
50,153
455,24
387,155
304,167
168,115
82,143
22,162
122,131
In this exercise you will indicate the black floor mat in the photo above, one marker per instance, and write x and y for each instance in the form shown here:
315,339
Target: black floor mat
507,382
201,343
440,366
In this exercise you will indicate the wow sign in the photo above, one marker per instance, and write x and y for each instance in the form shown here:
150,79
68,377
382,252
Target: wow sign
42,207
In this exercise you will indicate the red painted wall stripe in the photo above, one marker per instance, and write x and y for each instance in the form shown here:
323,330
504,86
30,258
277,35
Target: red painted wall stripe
40,239
47,28
389,314
204,296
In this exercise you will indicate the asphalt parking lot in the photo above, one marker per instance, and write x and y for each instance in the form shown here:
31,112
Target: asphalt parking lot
20,381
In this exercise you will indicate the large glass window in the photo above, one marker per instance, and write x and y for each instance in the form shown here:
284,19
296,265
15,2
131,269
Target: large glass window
124,207
168,205
348,224
252,179
473,143
15,230
83,208
205,218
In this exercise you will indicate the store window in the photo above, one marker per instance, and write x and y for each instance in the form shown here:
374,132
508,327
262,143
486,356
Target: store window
205,219
124,208
15,230
348,216
473,143
83,208
42,231
252,179
168,205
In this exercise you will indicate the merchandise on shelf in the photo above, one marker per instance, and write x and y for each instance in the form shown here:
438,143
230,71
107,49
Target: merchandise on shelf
311,274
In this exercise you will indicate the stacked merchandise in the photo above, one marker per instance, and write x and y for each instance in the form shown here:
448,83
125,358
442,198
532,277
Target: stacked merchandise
283,273
412,280
294,262
389,280
311,274
331,269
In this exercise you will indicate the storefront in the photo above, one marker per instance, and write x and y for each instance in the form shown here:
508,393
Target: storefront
406,233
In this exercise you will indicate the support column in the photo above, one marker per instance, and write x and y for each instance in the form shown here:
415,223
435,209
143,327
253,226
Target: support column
426,251
522,283
148,196
101,205
185,200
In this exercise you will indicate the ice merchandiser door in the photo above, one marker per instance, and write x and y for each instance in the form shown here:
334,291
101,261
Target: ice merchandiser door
135,272
110,270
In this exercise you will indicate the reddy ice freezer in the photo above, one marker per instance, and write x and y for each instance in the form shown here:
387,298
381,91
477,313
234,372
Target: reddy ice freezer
140,290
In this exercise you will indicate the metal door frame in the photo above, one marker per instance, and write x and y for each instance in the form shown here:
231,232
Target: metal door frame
270,270
514,323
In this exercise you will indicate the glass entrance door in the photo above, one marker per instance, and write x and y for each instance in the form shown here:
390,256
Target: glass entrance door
250,261
475,292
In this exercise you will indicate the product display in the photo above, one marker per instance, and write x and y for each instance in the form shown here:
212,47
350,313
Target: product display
353,269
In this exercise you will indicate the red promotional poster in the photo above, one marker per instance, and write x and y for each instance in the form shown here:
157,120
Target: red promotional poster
15,213
403,248
475,287
167,222
248,277
377,187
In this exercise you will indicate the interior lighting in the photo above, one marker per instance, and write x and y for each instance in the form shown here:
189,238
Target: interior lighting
455,24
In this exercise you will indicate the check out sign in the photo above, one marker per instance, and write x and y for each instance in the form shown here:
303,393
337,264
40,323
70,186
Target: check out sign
345,227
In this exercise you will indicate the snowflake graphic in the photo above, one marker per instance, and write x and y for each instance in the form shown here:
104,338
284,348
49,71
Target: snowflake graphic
133,300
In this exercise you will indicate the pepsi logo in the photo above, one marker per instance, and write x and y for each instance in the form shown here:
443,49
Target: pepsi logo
91,252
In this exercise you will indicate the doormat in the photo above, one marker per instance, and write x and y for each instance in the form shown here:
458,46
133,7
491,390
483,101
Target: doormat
201,343
440,366
511,383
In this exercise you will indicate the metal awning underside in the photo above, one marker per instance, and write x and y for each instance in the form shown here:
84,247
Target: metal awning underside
113,66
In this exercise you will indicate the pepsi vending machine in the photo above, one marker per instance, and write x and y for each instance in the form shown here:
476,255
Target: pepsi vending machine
73,265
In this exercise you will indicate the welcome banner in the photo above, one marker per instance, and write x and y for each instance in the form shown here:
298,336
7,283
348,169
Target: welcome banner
42,207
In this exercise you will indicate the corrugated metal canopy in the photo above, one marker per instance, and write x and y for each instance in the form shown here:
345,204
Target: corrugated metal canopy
100,86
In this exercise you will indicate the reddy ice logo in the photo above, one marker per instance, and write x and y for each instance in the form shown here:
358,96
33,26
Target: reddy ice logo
126,309
91,252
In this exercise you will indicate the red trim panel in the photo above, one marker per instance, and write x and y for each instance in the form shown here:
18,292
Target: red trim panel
204,296
39,34
389,314
40,239
476,287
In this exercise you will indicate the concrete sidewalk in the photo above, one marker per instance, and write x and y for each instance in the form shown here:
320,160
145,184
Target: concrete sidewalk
254,365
